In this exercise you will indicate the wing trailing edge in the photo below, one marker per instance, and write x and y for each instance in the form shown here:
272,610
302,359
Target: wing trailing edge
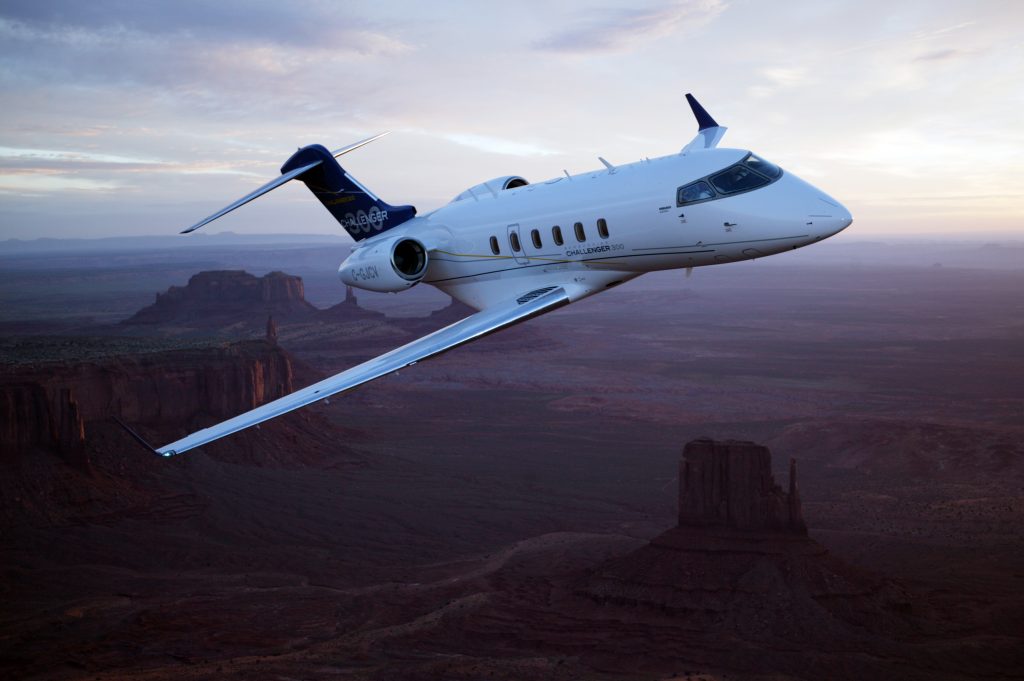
478,325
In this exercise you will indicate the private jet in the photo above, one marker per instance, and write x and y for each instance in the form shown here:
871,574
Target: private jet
513,250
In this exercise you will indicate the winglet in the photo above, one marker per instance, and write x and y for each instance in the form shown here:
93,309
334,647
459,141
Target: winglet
709,132
704,119
138,438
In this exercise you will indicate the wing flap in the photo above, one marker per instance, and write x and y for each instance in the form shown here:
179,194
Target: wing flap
469,329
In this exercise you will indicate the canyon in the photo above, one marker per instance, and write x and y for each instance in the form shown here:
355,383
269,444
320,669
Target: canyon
520,508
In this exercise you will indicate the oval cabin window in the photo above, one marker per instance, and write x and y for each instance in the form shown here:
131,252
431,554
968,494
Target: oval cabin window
556,234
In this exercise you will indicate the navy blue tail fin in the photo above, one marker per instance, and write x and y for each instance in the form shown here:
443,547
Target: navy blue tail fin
354,206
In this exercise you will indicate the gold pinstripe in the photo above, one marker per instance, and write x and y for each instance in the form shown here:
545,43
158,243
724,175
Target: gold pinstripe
527,257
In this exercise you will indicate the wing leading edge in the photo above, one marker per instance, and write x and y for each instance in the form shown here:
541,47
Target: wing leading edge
469,329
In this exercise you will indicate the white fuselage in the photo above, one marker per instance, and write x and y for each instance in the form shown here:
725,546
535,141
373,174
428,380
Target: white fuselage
647,230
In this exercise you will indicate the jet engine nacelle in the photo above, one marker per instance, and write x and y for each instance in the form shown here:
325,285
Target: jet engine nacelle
387,266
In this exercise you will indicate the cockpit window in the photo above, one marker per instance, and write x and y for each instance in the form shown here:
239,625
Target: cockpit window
752,172
693,192
738,178
764,167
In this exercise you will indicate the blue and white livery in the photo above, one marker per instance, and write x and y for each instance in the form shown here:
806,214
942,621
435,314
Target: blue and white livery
514,250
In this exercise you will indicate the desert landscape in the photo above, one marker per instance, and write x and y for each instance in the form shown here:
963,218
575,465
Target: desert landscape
536,505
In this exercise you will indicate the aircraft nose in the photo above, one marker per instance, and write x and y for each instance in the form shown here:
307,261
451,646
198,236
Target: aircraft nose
843,218
829,217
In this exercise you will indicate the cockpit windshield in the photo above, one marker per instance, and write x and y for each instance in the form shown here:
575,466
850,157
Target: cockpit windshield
769,170
753,172
738,178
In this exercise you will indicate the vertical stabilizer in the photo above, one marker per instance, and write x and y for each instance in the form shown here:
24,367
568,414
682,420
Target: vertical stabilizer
355,207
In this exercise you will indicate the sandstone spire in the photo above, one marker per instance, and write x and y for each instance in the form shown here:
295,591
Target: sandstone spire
730,484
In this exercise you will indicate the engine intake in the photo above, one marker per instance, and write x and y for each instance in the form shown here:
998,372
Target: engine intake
409,259
387,266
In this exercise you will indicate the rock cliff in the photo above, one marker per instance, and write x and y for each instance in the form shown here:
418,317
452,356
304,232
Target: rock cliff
223,297
348,309
740,565
50,404
730,484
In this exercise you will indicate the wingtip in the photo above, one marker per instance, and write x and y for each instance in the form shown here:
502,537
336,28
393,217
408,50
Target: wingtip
141,440
189,230
361,143
704,119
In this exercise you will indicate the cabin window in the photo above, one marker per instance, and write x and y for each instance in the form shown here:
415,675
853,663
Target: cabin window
495,248
556,234
694,192
602,228
764,167
513,239
738,178
535,238
580,234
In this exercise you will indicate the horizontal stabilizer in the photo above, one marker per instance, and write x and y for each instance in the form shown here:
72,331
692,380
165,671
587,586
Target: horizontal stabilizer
352,147
273,184
278,181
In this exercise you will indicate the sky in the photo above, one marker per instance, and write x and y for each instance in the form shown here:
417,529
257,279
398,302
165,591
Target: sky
140,118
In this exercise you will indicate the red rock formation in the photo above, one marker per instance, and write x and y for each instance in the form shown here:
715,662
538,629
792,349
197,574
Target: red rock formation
224,296
32,414
49,404
740,568
348,310
730,484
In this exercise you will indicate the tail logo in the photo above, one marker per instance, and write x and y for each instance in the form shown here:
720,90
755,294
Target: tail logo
365,221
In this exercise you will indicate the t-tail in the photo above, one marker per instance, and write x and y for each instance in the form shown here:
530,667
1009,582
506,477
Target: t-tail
355,207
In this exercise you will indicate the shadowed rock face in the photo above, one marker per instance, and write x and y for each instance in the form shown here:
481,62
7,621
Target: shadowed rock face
31,415
228,296
740,568
49,404
730,484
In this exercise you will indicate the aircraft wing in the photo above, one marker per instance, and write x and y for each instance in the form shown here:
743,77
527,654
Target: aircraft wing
475,326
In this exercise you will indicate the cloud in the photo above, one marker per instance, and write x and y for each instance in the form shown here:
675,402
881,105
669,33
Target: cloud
942,55
317,23
38,183
38,172
226,56
68,156
623,30
497,145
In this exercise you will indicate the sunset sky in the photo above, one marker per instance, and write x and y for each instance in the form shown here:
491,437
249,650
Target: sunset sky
124,118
